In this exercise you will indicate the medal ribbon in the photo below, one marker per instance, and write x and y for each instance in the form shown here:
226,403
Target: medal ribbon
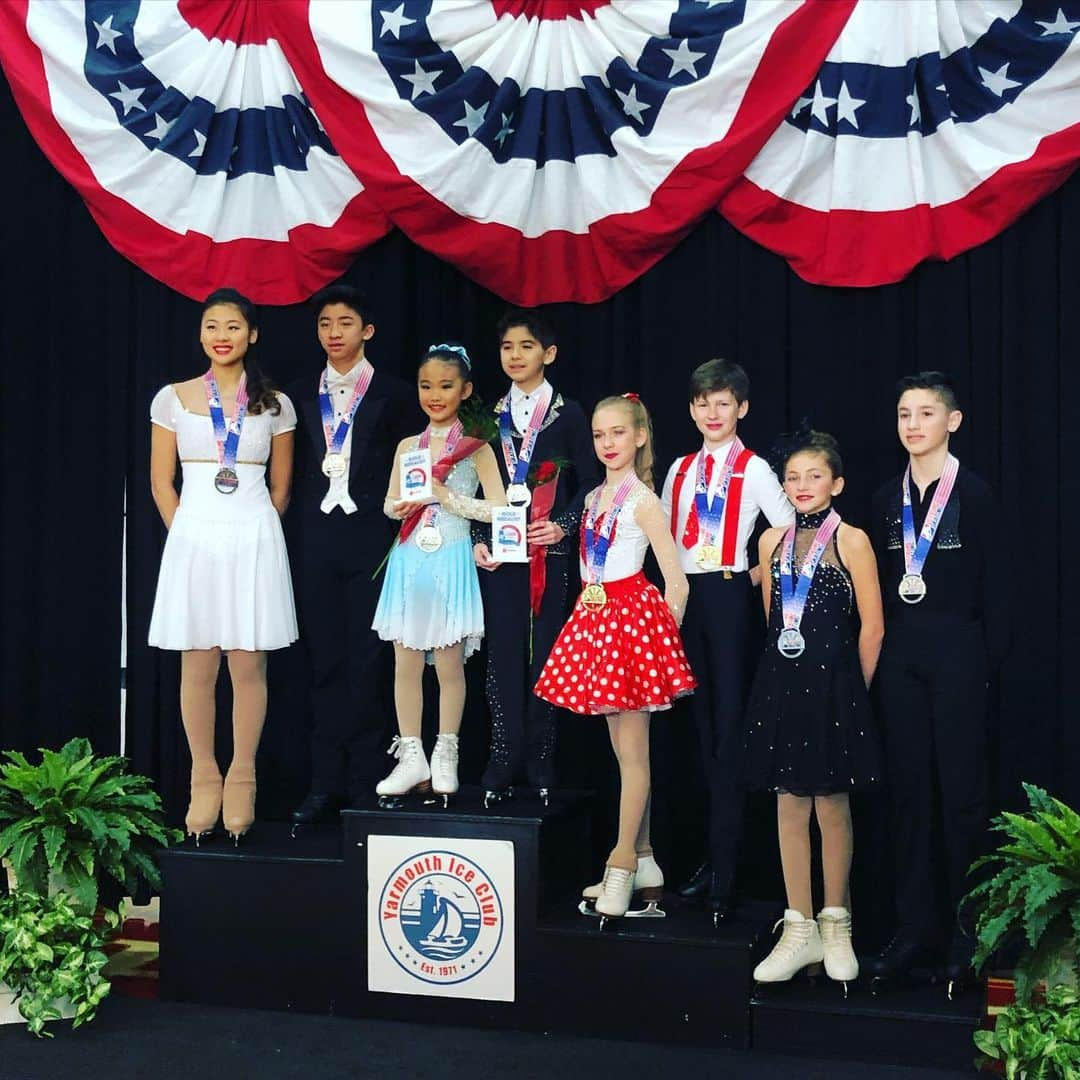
227,436
517,463
916,551
335,437
453,437
793,593
595,546
710,514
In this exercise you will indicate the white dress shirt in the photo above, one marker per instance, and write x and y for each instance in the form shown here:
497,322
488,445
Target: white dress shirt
523,405
341,388
761,494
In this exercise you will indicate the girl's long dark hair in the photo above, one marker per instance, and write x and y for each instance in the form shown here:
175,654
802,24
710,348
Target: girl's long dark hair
262,394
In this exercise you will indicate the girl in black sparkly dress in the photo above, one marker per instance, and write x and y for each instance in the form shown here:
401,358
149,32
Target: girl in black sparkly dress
811,735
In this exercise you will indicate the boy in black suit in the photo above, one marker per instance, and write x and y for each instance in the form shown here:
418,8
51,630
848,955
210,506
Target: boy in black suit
538,427
350,421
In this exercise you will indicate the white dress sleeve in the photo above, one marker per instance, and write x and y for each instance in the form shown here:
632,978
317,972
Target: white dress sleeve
669,488
768,493
163,408
286,419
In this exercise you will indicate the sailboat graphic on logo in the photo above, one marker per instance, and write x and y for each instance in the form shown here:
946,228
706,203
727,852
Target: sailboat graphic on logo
441,926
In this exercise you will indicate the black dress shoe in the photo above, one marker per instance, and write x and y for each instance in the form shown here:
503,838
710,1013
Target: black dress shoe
959,974
721,903
317,809
698,885
895,961
498,783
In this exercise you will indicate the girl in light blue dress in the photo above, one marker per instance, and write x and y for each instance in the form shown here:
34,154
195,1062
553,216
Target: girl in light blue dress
430,605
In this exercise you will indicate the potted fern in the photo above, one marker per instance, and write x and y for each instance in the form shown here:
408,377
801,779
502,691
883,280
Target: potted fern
1032,899
75,816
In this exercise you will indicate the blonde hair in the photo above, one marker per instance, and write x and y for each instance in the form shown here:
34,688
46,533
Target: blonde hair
639,416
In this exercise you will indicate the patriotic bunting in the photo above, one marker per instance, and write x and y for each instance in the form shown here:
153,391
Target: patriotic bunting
551,149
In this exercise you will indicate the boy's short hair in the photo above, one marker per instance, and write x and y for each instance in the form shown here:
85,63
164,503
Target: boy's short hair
535,321
340,293
716,375
937,382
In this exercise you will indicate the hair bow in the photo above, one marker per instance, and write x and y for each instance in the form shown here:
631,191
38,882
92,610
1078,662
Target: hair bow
631,396
458,349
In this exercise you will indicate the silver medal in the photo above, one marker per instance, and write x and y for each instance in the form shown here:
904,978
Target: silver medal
912,588
428,539
518,495
791,643
333,465
226,481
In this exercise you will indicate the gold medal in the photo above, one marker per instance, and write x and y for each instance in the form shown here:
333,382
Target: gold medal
708,557
593,596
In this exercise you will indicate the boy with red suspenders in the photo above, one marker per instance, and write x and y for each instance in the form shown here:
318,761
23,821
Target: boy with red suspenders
713,497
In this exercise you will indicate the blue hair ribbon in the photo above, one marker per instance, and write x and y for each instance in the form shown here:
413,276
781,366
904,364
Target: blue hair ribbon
459,350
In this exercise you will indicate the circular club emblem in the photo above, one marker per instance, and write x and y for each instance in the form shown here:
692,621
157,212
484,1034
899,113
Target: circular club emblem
441,917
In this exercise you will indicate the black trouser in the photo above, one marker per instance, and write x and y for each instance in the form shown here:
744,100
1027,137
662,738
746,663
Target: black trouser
716,635
352,706
932,683
522,725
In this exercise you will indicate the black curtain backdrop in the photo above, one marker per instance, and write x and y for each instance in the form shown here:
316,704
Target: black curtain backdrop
87,339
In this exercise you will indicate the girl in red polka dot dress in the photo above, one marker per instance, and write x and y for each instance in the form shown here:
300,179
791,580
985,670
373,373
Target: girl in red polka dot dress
619,654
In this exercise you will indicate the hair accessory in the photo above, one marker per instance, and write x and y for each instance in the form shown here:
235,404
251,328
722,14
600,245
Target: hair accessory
458,349
788,444
631,396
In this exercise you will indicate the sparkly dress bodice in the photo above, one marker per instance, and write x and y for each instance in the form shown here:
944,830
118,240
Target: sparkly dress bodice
829,605
462,480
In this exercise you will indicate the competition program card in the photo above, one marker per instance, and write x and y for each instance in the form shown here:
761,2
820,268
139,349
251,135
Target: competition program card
416,476
508,534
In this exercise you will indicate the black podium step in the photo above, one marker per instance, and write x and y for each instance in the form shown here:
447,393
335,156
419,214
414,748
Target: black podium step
914,1025
258,924
676,979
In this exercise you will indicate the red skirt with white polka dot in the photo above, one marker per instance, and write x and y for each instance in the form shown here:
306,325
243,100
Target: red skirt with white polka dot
625,656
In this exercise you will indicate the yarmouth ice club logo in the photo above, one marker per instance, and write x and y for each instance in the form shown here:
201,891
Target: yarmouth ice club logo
441,917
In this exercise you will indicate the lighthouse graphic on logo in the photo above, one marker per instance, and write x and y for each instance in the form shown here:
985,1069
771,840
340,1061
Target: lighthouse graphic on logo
441,919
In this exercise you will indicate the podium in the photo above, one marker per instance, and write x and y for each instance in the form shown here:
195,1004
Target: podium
463,915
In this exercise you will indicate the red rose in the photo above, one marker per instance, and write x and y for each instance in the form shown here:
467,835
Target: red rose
546,472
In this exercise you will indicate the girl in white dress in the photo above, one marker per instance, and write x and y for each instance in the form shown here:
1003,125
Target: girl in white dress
224,584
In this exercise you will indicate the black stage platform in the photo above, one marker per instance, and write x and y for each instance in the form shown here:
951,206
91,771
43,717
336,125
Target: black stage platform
288,923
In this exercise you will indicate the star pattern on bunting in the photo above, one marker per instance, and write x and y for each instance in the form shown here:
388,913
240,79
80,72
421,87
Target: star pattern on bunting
997,82
106,35
1060,25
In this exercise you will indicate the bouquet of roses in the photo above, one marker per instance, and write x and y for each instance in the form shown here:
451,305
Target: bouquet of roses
478,428
543,480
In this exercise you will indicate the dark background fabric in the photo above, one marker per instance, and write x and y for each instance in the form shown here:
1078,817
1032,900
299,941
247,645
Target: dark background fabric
87,339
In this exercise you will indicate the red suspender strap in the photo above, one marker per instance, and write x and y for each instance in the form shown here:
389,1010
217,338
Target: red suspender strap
732,509
676,491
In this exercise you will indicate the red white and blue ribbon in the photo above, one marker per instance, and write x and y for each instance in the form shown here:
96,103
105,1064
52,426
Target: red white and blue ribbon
226,433
517,463
794,592
595,543
335,434
431,512
710,514
916,550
